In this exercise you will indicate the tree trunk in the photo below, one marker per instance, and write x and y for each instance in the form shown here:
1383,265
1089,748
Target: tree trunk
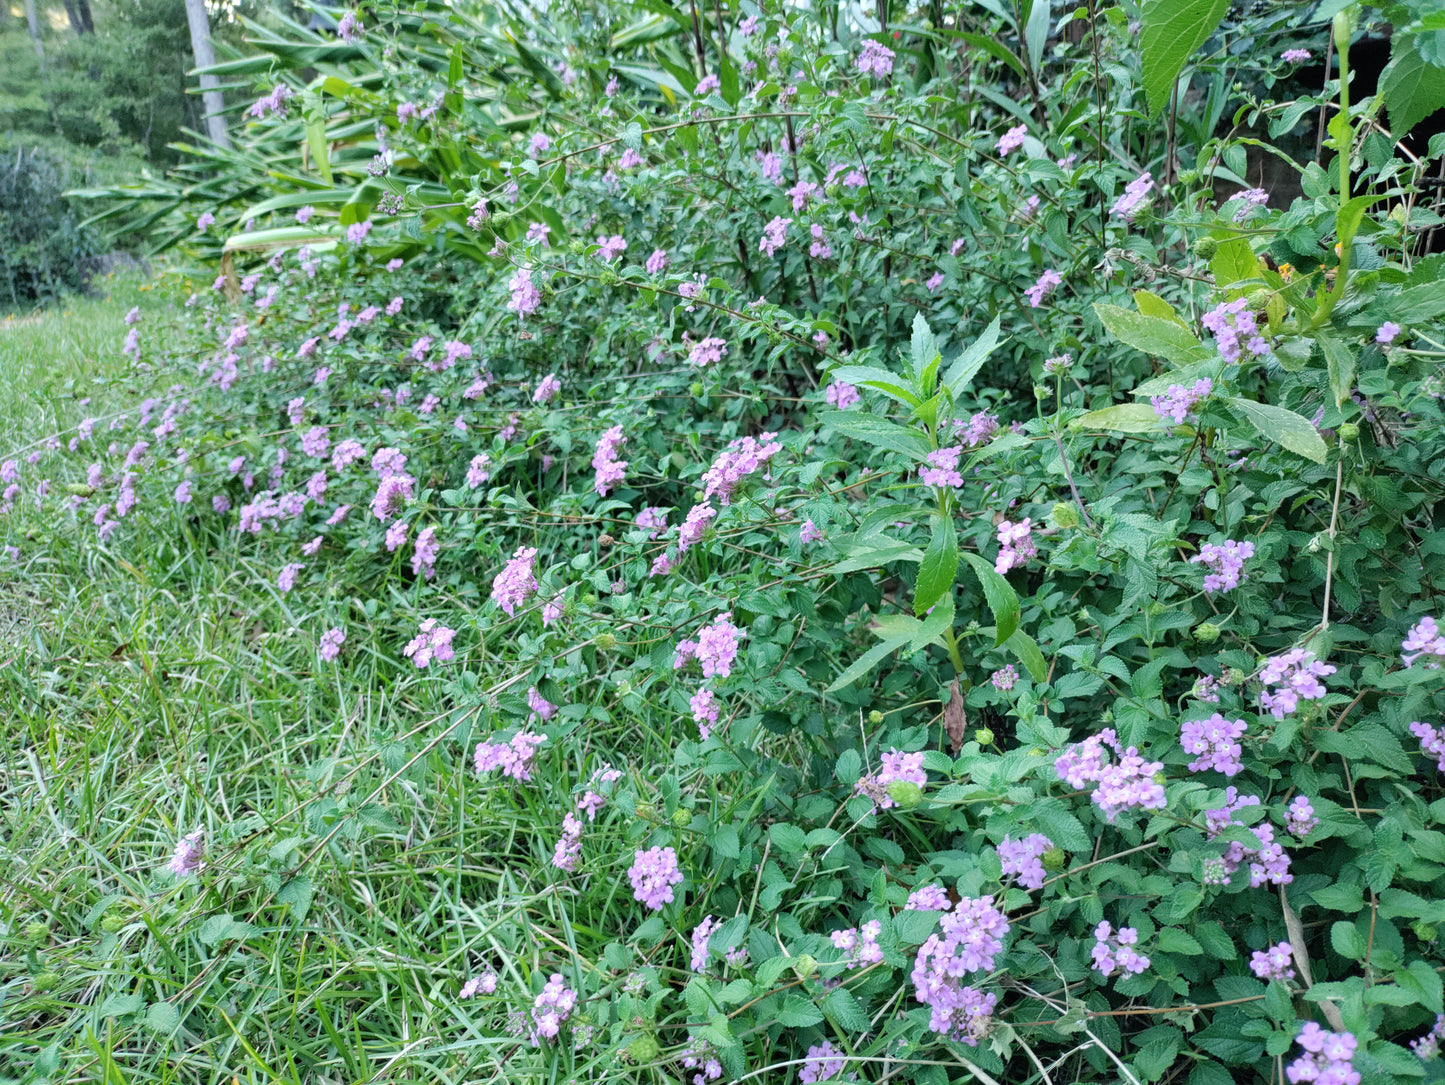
205,58
74,17
83,7
33,18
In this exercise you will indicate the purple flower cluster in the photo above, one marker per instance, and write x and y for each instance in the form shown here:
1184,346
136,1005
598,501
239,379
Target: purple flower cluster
1125,783
1010,141
526,299
1432,742
1178,400
1427,1047
859,944
968,939
942,467
715,649
1251,200
330,644
1296,674
1004,678
875,59
1045,285
977,430
610,470
551,1008
1273,963
511,758
187,859
928,898
653,874
1135,192
1268,864
1226,563
1023,859
1214,743
824,1062
700,935
515,584
1300,818
1386,333
1424,639
1016,545
432,642
841,395
707,351
568,851
895,767
1328,1058
742,457
775,233
1235,330
1114,950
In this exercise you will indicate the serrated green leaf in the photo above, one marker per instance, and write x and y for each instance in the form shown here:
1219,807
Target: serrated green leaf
1172,31
1346,940
876,431
1234,261
966,366
1340,362
1278,424
1002,600
797,1011
844,1009
939,566
119,1005
1026,651
162,1018
1412,87
1120,418
868,660
1154,336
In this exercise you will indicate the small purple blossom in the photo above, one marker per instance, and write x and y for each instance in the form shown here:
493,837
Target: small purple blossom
653,874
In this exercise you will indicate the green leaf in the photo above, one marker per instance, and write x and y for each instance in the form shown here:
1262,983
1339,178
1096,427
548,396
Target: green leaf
1026,651
1340,361
1412,87
1416,304
1153,335
1174,940
118,1005
995,49
876,431
874,556
1151,304
939,566
1002,600
297,893
162,1018
923,349
1347,220
283,237
1291,430
1173,30
966,366
1234,261
844,1009
868,660
871,376
1120,418
930,630
1036,30
797,1011
316,141
219,928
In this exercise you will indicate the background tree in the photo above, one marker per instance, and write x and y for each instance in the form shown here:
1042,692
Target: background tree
205,58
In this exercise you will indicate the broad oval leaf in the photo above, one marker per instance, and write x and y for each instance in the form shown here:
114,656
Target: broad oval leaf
1120,418
1293,431
939,566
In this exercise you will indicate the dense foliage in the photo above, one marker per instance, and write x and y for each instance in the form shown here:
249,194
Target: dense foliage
930,573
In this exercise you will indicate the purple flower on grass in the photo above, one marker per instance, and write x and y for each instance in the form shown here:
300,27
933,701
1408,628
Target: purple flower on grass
653,874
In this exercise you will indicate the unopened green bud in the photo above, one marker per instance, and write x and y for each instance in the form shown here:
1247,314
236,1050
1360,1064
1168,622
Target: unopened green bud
875,717
1233,676
500,219
1259,299
1064,515
646,811
805,966
1349,431
607,277
1188,177
682,818
983,736
1054,859
606,641
578,247
697,389
111,924
1343,28
1206,632
46,981
1042,391
643,1049
624,687
1205,248
36,932
80,489
589,599
905,793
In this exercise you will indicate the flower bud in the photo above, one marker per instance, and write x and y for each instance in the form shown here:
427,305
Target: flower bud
624,687
697,389
36,932
80,489
1064,515
905,793
643,1049
607,277
1205,248
805,966
682,818
1349,431
590,599
875,717
606,641
1188,177
1233,676
578,247
111,924
1259,299
500,219
646,811
983,736
1206,632
1054,859
46,981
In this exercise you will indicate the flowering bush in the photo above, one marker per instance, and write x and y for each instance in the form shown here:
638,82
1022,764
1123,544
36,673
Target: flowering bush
881,667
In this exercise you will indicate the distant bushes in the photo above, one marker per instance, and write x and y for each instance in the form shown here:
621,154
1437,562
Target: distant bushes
42,244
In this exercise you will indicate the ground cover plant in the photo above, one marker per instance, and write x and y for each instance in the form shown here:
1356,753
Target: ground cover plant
751,545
